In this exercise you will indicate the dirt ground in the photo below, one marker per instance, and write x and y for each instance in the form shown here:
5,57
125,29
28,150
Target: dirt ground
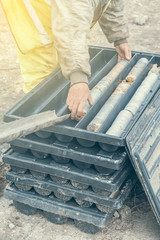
135,220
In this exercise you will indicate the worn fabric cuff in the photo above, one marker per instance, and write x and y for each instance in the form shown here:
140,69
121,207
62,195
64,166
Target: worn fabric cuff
118,42
77,77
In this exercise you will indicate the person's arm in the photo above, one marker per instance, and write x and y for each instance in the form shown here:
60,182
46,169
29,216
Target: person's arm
71,22
115,28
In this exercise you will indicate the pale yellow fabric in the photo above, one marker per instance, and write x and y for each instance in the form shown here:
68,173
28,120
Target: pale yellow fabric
37,60
37,64
24,30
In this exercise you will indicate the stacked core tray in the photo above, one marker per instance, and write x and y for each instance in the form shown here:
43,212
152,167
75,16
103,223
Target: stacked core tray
65,170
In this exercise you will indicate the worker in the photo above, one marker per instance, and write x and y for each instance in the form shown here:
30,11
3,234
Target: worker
49,33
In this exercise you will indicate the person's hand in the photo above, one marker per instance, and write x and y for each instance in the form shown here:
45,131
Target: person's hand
124,52
77,96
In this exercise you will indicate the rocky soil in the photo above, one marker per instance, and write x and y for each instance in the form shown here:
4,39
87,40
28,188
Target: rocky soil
135,221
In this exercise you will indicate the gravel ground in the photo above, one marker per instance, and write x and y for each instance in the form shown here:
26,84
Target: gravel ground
135,221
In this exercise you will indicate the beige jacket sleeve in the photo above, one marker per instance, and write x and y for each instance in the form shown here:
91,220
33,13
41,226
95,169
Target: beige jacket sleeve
113,24
71,22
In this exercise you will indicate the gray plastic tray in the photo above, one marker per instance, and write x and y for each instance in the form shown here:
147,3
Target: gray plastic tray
52,94
52,205
68,190
144,149
89,177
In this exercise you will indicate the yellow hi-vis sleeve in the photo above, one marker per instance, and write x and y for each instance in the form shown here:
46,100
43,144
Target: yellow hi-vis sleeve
30,23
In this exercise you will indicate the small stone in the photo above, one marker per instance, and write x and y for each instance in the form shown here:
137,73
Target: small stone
140,20
116,215
11,226
125,213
